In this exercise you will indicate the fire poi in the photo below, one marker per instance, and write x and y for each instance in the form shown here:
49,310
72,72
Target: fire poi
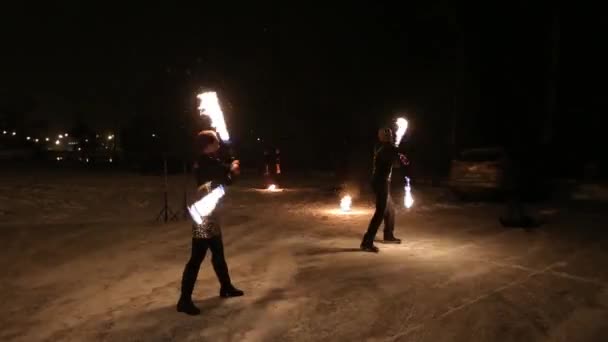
408,200
402,125
401,129
205,206
210,107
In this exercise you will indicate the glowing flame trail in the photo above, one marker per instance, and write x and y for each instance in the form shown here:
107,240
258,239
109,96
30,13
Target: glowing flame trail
210,106
408,200
345,203
205,206
401,128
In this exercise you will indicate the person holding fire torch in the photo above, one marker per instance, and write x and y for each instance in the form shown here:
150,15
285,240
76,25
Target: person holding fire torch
211,173
385,154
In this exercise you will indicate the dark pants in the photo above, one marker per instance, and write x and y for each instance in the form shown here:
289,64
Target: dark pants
199,249
384,212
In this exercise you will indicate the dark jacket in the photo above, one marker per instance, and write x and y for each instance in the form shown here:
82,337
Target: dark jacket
211,169
385,156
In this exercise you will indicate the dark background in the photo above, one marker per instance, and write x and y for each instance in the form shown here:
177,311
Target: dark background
316,80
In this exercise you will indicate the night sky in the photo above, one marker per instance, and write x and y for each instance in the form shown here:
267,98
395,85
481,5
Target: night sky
462,74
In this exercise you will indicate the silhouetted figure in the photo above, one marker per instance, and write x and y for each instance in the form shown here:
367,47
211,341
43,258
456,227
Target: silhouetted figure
518,182
210,173
272,165
385,156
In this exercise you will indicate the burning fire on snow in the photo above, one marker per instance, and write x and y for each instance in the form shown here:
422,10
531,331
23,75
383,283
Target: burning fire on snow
345,203
273,188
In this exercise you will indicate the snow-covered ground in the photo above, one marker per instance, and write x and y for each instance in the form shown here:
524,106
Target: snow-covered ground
82,260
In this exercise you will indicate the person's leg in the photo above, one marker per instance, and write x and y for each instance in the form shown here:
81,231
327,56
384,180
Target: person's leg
389,222
199,249
221,268
374,224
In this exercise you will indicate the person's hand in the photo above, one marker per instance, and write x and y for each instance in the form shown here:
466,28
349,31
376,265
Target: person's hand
235,167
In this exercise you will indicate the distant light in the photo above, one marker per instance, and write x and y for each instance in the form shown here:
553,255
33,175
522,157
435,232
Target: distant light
259,139
96,135
28,138
87,160
47,139
36,140
59,158
86,140
57,142
60,136
65,134
110,137
153,135
14,133
79,149
4,132
110,160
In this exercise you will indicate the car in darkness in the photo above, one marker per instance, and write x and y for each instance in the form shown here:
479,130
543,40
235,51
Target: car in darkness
477,172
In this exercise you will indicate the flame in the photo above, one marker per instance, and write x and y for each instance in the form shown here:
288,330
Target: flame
273,188
345,203
408,200
401,128
205,206
210,106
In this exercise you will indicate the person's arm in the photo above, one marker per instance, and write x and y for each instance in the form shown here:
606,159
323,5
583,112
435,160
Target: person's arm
225,173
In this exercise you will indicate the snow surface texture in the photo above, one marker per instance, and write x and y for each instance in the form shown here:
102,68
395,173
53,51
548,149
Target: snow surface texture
82,260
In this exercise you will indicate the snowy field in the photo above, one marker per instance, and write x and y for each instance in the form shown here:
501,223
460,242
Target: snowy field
83,260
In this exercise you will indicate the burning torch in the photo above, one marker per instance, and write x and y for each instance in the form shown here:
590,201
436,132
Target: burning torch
210,107
402,124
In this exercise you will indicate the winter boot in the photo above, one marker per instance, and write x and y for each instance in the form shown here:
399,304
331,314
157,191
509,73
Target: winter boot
186,306
230,291
391,239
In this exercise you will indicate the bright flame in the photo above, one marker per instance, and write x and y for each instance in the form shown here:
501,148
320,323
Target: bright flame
345,203
205,206
408,200
401,129
210,106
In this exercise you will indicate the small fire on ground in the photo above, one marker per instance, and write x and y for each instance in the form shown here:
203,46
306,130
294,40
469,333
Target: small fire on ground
345,203
273,188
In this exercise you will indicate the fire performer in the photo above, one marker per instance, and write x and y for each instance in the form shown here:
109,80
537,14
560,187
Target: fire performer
385,155
211,172
272,165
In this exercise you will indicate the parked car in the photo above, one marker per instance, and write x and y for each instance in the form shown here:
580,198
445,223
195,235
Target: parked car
477,171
